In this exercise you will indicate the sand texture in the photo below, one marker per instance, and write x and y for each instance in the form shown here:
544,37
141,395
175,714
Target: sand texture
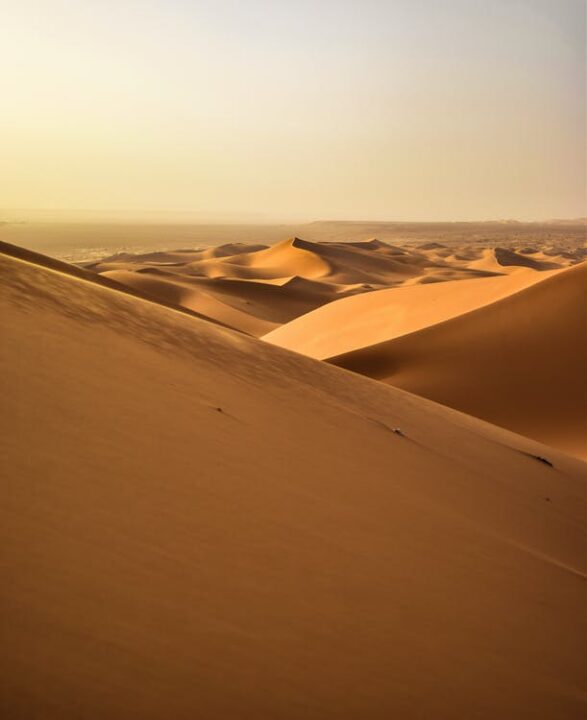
199,524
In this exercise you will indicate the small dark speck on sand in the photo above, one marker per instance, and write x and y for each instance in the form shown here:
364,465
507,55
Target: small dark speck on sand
547,499
218,409
543,460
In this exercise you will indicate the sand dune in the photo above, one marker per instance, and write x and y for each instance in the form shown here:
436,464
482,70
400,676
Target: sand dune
518,362
291,257
264,287
133,288
78,241
363,320
198,524
506,257
239,285
250,288
503,261
178,293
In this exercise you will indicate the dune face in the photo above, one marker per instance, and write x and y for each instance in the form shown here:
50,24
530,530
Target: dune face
510,348
506,257
168,289
136,289
364,320
255,288
250,288
199,524
518,362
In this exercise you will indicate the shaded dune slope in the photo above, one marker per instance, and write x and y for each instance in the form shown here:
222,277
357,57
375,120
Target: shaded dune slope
504,260
506,257
20,253
518,362
169,290
279,303
198,524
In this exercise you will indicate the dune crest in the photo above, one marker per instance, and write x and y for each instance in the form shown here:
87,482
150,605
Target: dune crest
292,257
363,320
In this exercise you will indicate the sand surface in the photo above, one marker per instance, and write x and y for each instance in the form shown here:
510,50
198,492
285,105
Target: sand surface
358,322
510,349
197,523
258,288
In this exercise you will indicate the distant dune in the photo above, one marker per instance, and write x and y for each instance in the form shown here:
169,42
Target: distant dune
255,288
196,523
77,240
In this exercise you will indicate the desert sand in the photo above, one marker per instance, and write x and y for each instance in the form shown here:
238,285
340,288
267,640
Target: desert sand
257,288
198,523
359,322
511,350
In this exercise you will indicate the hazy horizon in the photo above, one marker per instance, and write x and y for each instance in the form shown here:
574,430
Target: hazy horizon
295,111
190,217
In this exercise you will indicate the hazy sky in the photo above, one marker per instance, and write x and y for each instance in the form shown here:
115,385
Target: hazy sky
295,109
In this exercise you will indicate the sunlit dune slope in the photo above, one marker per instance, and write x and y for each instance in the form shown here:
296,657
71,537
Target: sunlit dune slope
362,320
198,524
518,362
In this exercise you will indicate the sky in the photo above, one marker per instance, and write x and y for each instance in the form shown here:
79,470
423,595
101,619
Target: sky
295,109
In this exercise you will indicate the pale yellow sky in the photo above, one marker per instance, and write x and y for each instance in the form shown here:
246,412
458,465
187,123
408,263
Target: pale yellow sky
294,110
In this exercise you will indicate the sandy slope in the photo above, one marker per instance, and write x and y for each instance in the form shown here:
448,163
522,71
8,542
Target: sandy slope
173,291
518,362
255,288
363,320
135,289
198,524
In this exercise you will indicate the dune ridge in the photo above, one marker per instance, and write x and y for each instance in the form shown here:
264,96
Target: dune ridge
362,320
82,273
304,275
197,522
518,362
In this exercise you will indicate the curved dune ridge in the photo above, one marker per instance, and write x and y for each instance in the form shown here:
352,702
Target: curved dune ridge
255,288
518,362
198,524
179,293
363,320
151,293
